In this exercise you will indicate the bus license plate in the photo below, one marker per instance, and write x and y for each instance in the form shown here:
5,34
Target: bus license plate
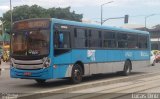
27,73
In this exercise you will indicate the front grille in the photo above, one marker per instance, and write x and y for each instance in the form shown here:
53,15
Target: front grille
27,64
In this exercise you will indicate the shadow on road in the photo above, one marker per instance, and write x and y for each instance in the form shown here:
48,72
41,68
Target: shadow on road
60,83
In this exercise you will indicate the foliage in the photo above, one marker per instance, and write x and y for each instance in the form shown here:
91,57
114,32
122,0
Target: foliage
35,11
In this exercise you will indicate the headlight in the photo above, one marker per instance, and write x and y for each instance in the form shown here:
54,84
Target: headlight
47,62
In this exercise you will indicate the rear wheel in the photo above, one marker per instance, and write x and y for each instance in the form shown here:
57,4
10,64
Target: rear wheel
76,76
127,68
40,81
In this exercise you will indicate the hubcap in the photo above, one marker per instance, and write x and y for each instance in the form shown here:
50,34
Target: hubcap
77,75
128,70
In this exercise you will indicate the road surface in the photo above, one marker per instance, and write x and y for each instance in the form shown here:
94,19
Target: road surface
21,86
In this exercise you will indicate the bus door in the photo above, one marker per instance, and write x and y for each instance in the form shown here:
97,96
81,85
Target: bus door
62,47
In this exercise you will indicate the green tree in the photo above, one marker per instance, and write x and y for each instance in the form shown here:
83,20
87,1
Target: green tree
24,12
64,13
35,11
0,26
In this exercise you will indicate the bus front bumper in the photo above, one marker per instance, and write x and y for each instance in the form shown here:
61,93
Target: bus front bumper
44,73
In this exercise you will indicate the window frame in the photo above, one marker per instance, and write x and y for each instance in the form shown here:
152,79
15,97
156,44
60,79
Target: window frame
66,50
88,34
147,39
112,39
99,38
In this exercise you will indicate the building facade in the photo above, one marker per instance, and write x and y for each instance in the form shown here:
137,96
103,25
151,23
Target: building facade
155,38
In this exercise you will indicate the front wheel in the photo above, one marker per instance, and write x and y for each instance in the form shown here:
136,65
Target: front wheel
76,76
40,81
127,68
154,62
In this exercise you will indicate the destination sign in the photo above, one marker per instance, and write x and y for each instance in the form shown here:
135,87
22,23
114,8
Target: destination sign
31,24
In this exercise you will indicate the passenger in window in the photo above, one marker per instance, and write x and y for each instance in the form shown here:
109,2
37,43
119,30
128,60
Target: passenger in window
61,40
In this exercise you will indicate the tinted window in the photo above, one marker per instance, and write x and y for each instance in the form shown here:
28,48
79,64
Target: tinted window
30,43
109,35
121,36
132,41
62,39
122,44
95,43
94,34
80,43
109,43
109,39
80,33
132,37
95,40
80,38
142,41
122,40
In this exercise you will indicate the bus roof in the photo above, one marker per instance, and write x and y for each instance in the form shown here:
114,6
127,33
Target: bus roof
67,22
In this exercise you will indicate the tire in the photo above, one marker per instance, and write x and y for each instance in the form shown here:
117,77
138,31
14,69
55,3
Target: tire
76,76
154,62
127,68
40,81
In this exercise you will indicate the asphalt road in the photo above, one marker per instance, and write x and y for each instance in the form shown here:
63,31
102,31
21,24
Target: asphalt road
22,86
145,88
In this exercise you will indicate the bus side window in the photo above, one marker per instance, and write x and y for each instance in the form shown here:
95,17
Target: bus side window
61,42
61,39
142,42
56,39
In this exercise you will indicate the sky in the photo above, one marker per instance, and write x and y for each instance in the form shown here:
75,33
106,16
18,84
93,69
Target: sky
91,9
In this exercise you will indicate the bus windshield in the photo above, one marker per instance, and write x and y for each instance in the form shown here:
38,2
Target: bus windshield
29,43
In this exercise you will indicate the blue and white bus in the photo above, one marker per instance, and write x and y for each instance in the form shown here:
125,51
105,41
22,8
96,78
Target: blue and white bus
43,49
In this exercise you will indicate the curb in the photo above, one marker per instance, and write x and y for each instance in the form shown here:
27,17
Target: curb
83,86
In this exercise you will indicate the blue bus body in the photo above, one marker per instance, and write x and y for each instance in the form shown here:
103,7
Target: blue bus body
93,60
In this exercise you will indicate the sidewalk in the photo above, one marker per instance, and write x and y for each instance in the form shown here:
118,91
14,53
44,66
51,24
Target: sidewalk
5,65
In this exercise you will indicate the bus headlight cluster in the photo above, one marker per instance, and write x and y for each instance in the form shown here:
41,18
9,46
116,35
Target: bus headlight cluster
46,62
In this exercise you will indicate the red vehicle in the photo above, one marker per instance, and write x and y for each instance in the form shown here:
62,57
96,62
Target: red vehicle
158,57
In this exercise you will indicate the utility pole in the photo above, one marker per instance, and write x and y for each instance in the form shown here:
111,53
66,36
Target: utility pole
146,19
11,13
102,10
